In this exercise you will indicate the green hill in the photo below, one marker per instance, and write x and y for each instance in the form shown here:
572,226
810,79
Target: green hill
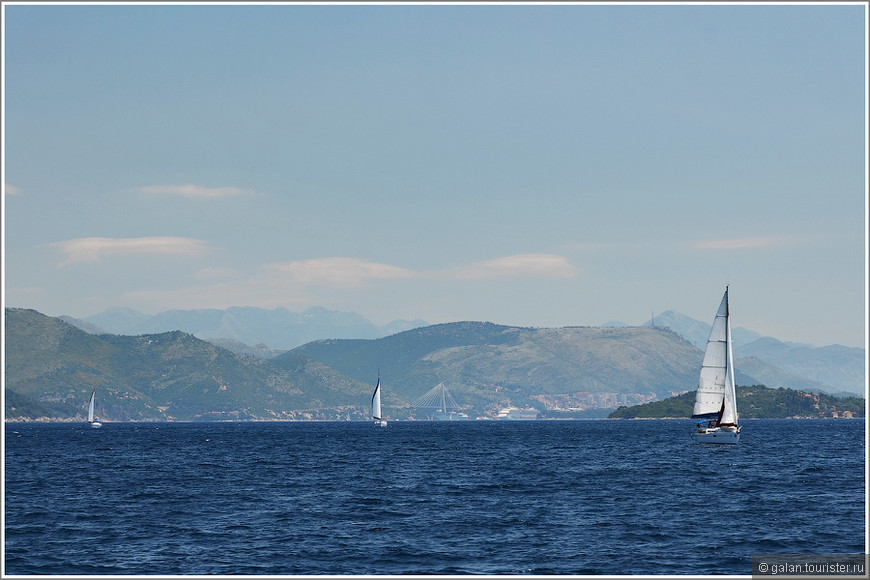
52,366
753,402
487,365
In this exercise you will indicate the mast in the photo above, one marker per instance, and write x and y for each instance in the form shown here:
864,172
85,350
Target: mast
729,404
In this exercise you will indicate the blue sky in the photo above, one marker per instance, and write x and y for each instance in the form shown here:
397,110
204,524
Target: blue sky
532,165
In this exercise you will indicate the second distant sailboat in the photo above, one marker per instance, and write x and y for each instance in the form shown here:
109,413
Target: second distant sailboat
376,405
95,423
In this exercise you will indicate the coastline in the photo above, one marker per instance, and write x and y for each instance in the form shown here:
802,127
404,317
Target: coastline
28,420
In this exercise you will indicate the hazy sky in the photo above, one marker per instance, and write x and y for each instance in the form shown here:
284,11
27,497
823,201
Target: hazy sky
527,165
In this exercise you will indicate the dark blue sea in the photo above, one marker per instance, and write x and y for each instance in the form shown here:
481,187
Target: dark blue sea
477,497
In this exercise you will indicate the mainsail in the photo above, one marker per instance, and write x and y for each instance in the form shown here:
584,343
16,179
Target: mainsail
376,402
91,407
715,397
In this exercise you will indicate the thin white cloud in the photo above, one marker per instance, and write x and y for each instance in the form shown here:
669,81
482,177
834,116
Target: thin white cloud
10,189
194,191
338,271
535,266
743,243
93,250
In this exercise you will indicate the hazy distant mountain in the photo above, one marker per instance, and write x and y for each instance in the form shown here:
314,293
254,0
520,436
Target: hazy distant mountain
83,325
280,328
836,366
119,320
829,368
697,332
753,371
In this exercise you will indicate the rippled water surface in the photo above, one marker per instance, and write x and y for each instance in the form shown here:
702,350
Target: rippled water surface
542,497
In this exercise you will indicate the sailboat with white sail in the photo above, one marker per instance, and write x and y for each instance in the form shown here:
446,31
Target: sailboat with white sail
716,398
95,423
376,405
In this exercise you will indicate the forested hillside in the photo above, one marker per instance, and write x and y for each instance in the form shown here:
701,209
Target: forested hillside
51,368
754,402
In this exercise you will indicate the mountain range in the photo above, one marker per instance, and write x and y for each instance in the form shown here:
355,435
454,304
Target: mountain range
487,365
51,367
268,333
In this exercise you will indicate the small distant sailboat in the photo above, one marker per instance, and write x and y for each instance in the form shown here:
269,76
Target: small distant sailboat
716,398
95,423
376,405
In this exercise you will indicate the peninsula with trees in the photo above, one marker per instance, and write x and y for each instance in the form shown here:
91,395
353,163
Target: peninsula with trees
755,402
